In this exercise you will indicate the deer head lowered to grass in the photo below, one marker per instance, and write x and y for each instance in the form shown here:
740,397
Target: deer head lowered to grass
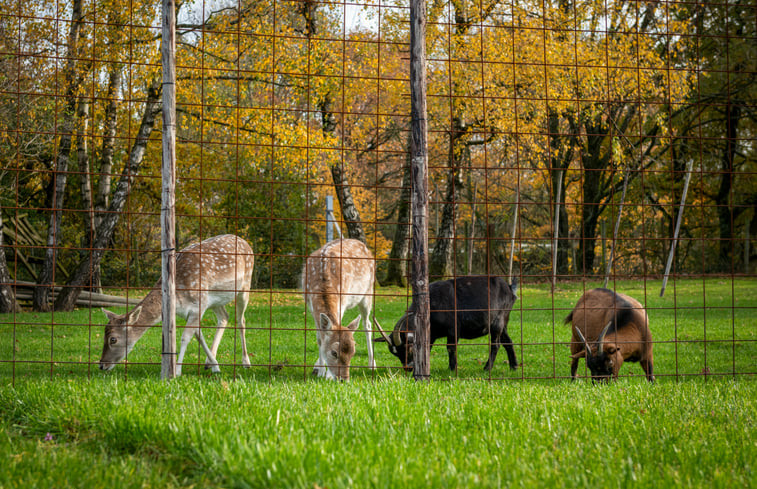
338,277
209,275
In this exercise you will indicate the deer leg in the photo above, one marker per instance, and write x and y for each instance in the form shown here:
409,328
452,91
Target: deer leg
241,306
193,329
222,320
365,312
211,357
186,337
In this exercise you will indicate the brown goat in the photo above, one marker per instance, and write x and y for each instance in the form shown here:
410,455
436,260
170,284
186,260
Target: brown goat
618,327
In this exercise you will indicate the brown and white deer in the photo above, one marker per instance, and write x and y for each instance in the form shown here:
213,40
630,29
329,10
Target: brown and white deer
338,277
209,275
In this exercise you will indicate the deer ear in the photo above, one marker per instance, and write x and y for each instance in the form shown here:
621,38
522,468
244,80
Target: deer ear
108,314
580,354
354,324
134,315
325,322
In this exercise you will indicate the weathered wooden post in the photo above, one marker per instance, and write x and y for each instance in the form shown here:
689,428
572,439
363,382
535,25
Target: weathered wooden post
168,194
419,165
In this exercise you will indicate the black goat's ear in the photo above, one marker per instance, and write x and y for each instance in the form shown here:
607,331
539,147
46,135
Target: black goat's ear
380,339
580,354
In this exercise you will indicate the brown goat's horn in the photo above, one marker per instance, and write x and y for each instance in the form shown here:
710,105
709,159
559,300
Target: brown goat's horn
586,345
601,338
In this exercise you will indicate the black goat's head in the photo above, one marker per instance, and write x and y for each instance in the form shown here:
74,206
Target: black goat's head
401,342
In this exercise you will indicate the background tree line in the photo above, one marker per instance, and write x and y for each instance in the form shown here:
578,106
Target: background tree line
282,104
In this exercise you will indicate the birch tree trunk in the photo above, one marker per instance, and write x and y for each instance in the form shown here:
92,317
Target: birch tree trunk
441,261
41,296
104,232
397,271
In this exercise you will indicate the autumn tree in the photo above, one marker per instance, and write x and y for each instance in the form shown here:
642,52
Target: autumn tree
723,113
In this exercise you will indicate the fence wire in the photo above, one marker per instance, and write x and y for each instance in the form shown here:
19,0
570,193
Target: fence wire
572,145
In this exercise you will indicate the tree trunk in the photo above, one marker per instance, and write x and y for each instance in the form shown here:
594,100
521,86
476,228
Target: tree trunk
441,261
85,173
102,195
41,296
8,302
309,9
104,232
109,143
350,213
595,163
560,158
397,271
723,198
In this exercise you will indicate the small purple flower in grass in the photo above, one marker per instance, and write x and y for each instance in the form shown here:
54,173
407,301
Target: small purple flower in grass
48,437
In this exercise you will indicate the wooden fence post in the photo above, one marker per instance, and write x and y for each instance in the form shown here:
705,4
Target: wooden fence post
419,154
168,194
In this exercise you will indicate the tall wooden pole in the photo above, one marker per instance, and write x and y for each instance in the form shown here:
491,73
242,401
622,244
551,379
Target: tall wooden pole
168,195
419,165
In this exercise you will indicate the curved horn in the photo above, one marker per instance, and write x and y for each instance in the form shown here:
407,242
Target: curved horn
586,345
381,330
601,338
396,338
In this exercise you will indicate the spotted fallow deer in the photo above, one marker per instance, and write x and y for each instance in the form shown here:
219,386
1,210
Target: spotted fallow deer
209,275
338,277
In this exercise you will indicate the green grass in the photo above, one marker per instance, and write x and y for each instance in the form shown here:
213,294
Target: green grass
63,423
106,433
703,326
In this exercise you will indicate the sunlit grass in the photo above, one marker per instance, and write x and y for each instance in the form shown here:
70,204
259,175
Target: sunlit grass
390,432
64,423
700,327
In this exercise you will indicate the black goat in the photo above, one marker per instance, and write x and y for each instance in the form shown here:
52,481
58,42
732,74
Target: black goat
461,308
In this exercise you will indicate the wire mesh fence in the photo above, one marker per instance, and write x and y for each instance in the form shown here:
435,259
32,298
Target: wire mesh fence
572,145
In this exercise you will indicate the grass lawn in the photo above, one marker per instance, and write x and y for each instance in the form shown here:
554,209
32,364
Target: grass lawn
63,423
699,327
389,432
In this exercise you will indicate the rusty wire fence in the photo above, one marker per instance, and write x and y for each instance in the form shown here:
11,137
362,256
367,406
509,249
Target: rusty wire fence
572,145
